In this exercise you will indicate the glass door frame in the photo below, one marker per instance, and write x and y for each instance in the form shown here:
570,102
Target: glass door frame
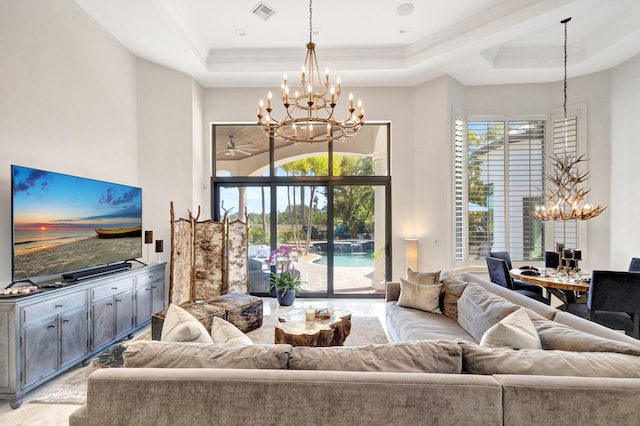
329,182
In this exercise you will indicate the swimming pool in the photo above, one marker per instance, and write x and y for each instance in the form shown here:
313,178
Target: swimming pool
349,260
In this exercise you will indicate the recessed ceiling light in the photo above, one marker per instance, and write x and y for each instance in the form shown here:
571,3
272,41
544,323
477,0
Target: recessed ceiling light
405,9
404,29
241,32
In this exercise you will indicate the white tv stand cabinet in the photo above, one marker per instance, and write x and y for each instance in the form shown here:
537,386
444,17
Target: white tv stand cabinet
44,334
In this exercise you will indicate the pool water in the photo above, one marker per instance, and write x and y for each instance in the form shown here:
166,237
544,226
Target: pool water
348,260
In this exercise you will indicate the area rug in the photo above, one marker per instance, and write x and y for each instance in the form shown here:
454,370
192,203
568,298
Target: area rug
73,389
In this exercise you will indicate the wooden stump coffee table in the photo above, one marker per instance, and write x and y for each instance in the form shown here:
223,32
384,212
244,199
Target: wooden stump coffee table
297,331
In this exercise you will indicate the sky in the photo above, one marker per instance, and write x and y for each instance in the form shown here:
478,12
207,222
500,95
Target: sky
58,201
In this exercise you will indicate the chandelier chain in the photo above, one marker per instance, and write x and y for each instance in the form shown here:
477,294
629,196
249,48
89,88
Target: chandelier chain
311,22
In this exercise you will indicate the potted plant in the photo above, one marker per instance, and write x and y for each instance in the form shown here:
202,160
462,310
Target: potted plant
285,280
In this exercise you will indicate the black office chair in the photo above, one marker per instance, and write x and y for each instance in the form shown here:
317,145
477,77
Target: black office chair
551,259
634,266
517,285
499,274
614,301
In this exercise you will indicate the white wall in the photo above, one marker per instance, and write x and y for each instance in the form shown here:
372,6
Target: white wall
166,109
67,100
624,206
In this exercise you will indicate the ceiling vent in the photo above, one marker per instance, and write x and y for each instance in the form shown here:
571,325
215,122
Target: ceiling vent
263,11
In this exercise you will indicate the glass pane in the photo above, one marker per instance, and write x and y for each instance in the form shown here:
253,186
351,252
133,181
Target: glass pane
241,150
302,226
257,201
302,159
368,147
359,239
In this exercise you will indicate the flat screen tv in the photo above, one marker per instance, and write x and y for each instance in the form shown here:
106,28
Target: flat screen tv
64,223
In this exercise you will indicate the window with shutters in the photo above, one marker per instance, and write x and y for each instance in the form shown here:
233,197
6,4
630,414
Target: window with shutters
496,185
565,231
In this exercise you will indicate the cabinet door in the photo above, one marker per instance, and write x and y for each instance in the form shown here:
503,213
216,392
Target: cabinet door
74,336
104,327
40,356
143,303
124,312
157,296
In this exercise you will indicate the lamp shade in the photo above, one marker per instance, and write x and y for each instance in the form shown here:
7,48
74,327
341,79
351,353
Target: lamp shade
411,253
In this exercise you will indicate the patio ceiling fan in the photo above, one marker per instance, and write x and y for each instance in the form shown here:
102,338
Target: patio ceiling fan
232,148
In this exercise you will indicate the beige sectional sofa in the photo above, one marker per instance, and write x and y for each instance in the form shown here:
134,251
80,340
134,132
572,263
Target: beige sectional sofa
434,373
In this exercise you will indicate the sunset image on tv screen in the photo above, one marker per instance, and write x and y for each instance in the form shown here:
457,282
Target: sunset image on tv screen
65,223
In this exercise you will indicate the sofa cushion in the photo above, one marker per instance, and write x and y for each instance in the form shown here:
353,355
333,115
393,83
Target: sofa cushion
450,292
512,296
225,332
426,356
478,359
154,354
593,328
424,278
558,336
180,326
515,331
479,309
412,324
418,296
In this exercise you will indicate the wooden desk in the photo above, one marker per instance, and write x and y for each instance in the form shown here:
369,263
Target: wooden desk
556,284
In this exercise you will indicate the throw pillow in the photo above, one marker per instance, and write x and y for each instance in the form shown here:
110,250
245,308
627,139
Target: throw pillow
424,278
224,332
450,292
154,354
420,356
416,296
180,326
479,309
515,331
478,359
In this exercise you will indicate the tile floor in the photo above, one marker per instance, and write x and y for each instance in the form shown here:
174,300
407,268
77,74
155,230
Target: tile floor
53,414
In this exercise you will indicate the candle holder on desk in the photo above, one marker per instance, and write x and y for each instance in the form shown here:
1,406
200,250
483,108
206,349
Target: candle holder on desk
569,261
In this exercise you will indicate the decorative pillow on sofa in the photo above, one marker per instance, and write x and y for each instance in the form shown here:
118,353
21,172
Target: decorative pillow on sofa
180,326
478,359
224,332
479,309
417,296
154,354
515,331
450,292
558,336
424,278
418,356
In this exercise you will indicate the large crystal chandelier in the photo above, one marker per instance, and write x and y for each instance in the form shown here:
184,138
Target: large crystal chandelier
564,200
309,111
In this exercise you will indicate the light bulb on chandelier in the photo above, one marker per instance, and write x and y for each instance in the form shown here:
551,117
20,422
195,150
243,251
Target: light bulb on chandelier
310,114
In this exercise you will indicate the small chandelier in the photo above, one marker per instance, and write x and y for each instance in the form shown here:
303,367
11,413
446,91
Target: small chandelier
310,110
565,200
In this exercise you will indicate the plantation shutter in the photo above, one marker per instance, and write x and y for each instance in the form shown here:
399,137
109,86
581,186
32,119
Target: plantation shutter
565,231
458,187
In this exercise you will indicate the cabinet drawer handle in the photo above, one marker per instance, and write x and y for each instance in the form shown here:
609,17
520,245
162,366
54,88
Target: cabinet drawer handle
109,304
118,300
154,286
52,326
147,288
58,306
114,288
65,321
